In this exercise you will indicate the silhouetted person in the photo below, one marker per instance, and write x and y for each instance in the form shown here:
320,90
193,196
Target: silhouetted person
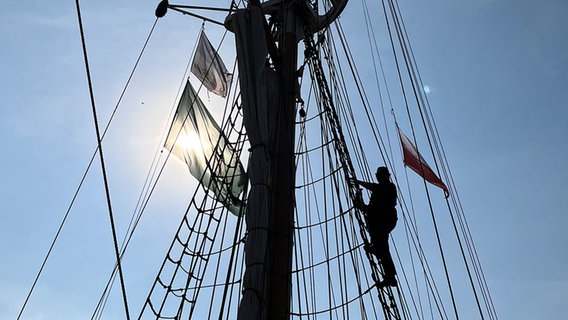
381,219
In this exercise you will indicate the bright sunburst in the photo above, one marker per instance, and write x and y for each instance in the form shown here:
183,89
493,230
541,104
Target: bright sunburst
190,142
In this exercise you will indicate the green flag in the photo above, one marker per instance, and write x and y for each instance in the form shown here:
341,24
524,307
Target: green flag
196,139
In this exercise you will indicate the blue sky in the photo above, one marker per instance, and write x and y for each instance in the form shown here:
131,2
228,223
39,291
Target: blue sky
497,77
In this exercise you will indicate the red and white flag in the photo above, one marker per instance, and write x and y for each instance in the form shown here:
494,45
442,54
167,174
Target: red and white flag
414,161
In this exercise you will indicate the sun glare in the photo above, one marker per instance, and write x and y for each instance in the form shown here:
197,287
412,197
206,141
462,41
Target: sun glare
190,142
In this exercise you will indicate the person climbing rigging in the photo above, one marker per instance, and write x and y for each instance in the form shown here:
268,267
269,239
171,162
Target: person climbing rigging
381,219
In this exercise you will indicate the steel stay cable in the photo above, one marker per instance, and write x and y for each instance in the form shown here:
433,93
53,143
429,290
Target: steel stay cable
97,313
431,125
383,76
375,48
409,223
408,236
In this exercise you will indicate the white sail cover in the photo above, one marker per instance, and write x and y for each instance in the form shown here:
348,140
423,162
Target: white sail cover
208,67
196,139
260,101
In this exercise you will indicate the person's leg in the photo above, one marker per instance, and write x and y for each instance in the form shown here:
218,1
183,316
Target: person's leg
388,265
381,247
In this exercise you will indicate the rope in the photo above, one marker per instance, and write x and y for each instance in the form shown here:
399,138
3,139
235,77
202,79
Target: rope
103,169
436,141
324,215
82,180
196,240
149,186
342,153
97,313
313,313
395,17
435,147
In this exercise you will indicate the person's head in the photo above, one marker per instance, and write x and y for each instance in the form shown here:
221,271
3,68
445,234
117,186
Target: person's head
382,174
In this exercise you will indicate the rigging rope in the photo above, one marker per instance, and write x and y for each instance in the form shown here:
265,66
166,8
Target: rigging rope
83,177
103,169
391,152
327,105
149,185
193,245
434,139
200,250
328,214
338,234
403,47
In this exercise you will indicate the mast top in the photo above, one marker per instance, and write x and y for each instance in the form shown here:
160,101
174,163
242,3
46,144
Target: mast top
316,21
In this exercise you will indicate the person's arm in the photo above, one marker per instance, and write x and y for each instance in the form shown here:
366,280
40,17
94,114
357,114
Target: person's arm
358,202
364,184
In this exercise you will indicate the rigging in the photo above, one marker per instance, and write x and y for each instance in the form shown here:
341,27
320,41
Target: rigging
329,232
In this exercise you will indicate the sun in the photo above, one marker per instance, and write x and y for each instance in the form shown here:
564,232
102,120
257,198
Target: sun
190,142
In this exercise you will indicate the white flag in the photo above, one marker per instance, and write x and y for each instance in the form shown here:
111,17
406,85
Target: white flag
208,67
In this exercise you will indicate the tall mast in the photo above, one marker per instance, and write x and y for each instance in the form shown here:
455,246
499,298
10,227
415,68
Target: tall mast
267,286
282,210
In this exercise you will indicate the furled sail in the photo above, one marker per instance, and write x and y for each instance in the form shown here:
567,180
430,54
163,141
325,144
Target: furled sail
260,100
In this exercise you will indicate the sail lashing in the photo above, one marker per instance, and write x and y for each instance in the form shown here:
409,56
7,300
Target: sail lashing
259,93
